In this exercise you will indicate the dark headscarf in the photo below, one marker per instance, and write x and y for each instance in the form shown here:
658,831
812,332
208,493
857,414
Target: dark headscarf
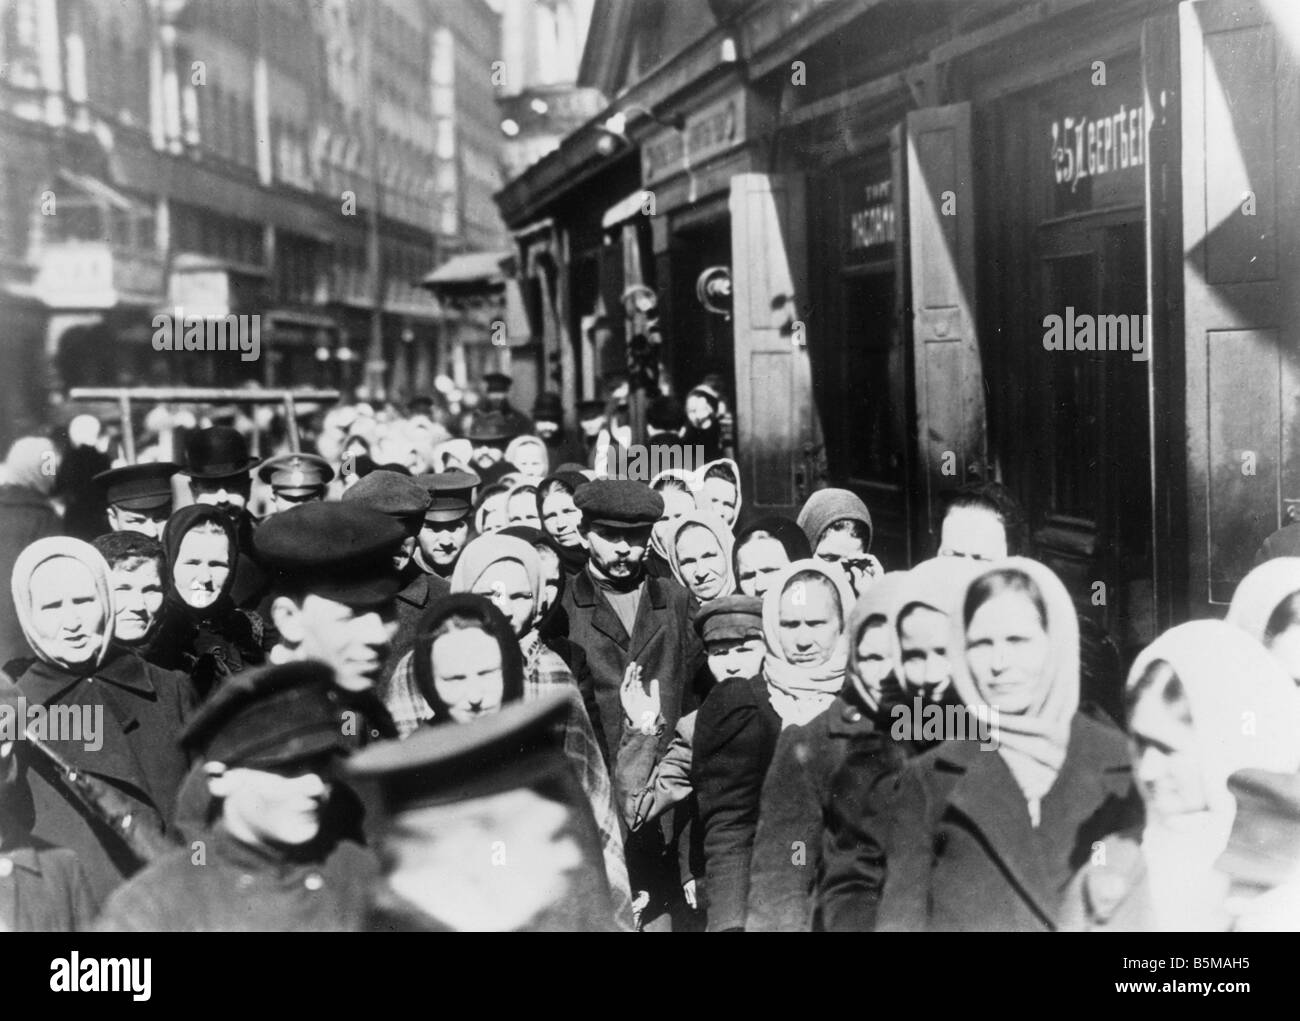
495,624
181,523
783,530
550,623
572,558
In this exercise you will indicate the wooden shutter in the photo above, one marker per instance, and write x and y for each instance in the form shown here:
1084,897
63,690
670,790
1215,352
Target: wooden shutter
941,256
778,429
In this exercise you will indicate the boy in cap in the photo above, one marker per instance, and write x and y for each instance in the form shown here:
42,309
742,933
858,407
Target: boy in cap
487,829
139,496
271,860
43,888
446,521
619,616
406,502
731,628
295,479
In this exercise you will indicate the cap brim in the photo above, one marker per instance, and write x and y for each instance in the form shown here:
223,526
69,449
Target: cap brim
152,501
444,514
302,746
223,474
625,525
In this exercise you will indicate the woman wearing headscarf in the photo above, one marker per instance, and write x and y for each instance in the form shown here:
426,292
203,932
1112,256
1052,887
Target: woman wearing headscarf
130,711
209,636
698,545
521,505
736,733
804,789
507,572
675,487
986,834
530,456
703,428
26,514
490,509
838,526
560,517
763,549
718,489
1204,702
1266,606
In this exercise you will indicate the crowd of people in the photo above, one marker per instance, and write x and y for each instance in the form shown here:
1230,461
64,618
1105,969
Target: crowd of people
452,672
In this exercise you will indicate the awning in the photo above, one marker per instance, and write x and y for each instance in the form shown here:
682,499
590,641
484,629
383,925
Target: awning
94,188
468,270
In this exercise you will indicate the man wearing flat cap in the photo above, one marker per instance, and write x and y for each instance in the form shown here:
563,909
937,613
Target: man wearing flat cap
446,521
139,496
270,741
220,471
499,785
295,479
621,616
404,501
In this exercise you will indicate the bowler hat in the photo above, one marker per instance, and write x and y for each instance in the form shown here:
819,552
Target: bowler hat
218,452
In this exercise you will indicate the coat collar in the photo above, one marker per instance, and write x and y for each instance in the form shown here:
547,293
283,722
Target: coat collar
416,591
847,718
653,597
1096,767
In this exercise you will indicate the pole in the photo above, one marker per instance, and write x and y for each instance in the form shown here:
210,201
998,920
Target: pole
375,364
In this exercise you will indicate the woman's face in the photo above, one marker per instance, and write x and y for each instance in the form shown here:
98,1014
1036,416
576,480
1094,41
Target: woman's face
467,673
721,496
67,614
1162,743
521,509
202,567
699,412
677,504
506,584
529,460
550,577
561,518
873,657
808,622
923,642
1007,652
757,562
494,513
1285,647
702,563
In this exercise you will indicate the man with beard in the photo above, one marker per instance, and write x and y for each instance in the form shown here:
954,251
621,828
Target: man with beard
490,433
220,472
619,616
138,565
139,497
446,521
405,501
273,859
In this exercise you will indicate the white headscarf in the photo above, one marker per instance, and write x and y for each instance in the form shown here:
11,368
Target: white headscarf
800,692
719,531
54,548
1260,592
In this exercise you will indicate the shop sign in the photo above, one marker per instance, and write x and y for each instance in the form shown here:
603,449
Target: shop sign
872,223
93,274
711,130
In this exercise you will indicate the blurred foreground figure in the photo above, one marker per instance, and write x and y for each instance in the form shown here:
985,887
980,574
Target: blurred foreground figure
26,514
272,861
487,829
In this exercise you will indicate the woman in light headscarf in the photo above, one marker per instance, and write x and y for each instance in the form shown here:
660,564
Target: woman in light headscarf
802,794
1204,701
718,489
699,552
738,726
453,455
986,830
530,456
838,526
26,514
675,487
130,711
1266,606
507,572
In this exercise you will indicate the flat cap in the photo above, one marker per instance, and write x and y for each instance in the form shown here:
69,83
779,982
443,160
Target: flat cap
398,496
452,492
139,486
296,474
269,717
730,617
339,551
491,427
620,503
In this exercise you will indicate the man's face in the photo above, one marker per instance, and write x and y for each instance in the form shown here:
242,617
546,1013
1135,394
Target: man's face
545,429
487,454
229,494
735,657
278,808
149,522
281,501
972,532
618,552
442,541
354,642
137,597
699,412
